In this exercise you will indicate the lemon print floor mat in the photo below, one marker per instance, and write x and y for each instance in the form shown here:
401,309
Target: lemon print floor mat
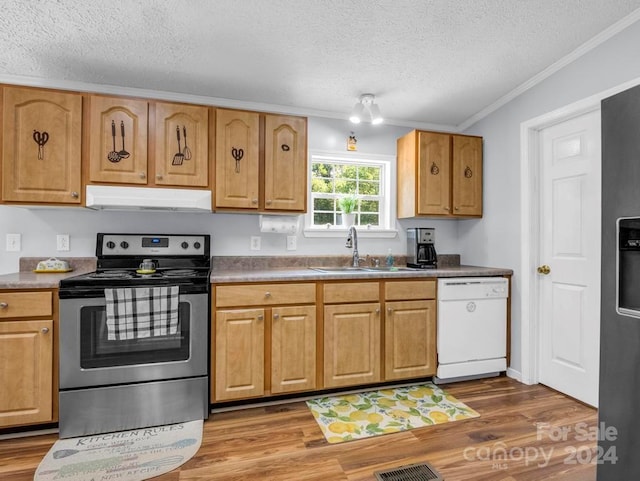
362,415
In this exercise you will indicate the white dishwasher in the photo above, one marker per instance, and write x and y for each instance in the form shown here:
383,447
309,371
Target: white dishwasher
472,327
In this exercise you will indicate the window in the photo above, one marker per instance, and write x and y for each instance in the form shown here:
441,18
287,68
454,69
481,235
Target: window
335,176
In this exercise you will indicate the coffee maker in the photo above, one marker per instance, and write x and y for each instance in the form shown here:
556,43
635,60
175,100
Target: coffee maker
421,252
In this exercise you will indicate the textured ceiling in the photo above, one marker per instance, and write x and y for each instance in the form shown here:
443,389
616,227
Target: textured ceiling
429,61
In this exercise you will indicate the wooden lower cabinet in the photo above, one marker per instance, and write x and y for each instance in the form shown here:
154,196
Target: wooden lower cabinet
26,372
239,354
410,339
241,358
351,344
293,349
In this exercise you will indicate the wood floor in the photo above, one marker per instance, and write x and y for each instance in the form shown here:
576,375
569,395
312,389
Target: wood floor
283,442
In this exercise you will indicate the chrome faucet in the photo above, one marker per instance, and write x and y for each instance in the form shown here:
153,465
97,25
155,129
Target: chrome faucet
352,241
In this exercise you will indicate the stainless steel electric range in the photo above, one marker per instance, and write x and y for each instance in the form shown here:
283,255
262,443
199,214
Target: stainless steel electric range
134,335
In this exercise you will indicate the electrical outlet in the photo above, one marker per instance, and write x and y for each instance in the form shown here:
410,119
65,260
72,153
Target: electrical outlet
14,242
292,242
255,243
62,242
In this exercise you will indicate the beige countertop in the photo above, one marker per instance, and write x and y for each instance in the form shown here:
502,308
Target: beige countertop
221,276
31,280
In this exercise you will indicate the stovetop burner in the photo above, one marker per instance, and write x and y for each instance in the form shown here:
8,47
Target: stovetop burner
110,275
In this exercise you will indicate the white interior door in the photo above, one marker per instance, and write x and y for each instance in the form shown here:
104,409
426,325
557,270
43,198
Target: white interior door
569,301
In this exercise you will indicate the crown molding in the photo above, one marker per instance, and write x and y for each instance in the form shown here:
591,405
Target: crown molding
583,49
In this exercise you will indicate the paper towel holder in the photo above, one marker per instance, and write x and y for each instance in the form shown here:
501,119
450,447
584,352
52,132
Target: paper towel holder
279,224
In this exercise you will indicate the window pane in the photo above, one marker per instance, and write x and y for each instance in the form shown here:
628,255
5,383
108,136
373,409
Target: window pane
321,185
322,218
345,186
369,173
372,219
323,204
321,170
369,188
369,206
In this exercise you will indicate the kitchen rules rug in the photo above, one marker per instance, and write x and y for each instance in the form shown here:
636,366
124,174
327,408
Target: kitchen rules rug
122,456
372,413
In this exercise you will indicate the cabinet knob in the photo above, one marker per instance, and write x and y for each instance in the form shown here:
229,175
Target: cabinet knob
74,195
446,208
45,330
389,310
159,176
260,317
254,201
457,208
143,175
268,202
3,305
378,311
276,316
267,294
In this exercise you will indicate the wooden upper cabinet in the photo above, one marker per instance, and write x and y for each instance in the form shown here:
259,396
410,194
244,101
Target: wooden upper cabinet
41,146
467,175
237,159
439,175
117,131
285,163
181,138
434,173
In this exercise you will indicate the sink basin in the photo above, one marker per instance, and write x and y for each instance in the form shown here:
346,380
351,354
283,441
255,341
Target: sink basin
337,269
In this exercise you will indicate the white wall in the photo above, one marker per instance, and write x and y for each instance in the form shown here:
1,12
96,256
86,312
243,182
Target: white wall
230,232
495,239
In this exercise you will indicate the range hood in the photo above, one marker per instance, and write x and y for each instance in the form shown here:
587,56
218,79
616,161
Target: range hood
107,197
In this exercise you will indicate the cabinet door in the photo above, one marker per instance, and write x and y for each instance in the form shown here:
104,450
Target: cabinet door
239,354
181,135
26,370
237,159
434,174
410,339
293,349
42,135
351,344
117,132
285,163
467,175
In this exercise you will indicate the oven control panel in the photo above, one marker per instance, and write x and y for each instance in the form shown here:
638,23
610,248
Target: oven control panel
152,245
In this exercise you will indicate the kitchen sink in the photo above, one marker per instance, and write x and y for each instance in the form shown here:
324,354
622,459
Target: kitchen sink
348,269
337,269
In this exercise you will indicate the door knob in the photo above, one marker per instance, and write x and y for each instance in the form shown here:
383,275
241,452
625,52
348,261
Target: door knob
544,269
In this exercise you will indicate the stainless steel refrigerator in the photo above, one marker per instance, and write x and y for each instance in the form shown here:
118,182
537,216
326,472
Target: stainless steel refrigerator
619,404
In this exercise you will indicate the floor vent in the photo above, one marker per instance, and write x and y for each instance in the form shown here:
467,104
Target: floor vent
411,472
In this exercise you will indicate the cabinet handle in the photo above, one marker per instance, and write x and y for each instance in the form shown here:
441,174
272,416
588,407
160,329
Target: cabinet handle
45,330
446,208
254,201
276,316
268,202
3,305
389,310
74,195
267,294
159,176
378,311
457,208
468,173
260,317
143,175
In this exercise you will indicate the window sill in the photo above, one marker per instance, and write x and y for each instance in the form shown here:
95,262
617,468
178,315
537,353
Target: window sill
342,232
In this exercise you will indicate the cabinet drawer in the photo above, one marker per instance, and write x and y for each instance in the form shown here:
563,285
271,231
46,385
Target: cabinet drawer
25,304
351,292
409,290
265,294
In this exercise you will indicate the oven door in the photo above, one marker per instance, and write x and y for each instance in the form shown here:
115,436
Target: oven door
89,358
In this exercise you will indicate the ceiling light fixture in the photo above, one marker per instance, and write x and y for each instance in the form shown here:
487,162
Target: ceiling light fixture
366,103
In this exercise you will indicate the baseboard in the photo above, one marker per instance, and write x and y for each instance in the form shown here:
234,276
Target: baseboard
513,374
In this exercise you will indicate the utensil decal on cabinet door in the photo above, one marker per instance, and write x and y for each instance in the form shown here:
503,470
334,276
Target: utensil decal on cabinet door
113,156
178,158
41,139
123,154
237,155
187,150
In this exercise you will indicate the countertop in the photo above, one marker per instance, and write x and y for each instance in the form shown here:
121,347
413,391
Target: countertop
219,276
31,280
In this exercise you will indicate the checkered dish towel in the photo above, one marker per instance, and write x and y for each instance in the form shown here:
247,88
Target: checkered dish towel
134,313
